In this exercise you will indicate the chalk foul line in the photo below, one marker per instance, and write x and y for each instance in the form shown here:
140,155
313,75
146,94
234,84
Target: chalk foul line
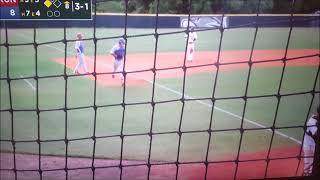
187,96
29,83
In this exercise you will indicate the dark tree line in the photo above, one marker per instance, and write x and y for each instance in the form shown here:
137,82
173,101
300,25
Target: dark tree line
210,6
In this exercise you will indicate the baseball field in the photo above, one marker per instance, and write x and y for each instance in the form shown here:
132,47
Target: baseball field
193,117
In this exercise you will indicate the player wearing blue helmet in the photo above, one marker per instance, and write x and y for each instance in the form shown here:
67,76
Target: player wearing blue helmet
79,47
117,52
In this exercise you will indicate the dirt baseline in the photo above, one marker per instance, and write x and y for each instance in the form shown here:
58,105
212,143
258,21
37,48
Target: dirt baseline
140,62
246,170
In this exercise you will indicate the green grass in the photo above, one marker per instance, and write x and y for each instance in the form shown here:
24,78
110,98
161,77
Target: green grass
166,118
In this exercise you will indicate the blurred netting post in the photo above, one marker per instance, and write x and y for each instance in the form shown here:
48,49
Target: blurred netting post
183,99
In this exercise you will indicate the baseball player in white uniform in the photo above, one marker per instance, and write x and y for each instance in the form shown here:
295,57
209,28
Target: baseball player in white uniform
309,142
191,41
79,47
117,52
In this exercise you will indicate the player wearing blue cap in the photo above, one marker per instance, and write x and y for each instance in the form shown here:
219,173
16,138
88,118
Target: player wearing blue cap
79,47
117,52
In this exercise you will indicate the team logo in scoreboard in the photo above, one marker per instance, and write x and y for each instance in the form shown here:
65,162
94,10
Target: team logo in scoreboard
45,9
9,3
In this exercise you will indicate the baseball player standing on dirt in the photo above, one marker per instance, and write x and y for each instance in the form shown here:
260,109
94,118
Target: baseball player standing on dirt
79,47
191,41
309,142
117,52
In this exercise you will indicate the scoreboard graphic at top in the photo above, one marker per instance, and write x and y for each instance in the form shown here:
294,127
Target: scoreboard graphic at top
45,9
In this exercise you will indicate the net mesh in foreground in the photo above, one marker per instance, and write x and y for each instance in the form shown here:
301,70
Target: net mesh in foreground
153,103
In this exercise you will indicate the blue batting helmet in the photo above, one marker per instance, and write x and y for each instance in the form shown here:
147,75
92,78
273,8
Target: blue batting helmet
122,41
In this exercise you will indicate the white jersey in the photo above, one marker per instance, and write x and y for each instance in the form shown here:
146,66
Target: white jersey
192,37
312,128
79,46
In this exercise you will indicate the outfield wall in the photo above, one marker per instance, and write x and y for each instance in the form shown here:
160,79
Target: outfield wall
174,21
